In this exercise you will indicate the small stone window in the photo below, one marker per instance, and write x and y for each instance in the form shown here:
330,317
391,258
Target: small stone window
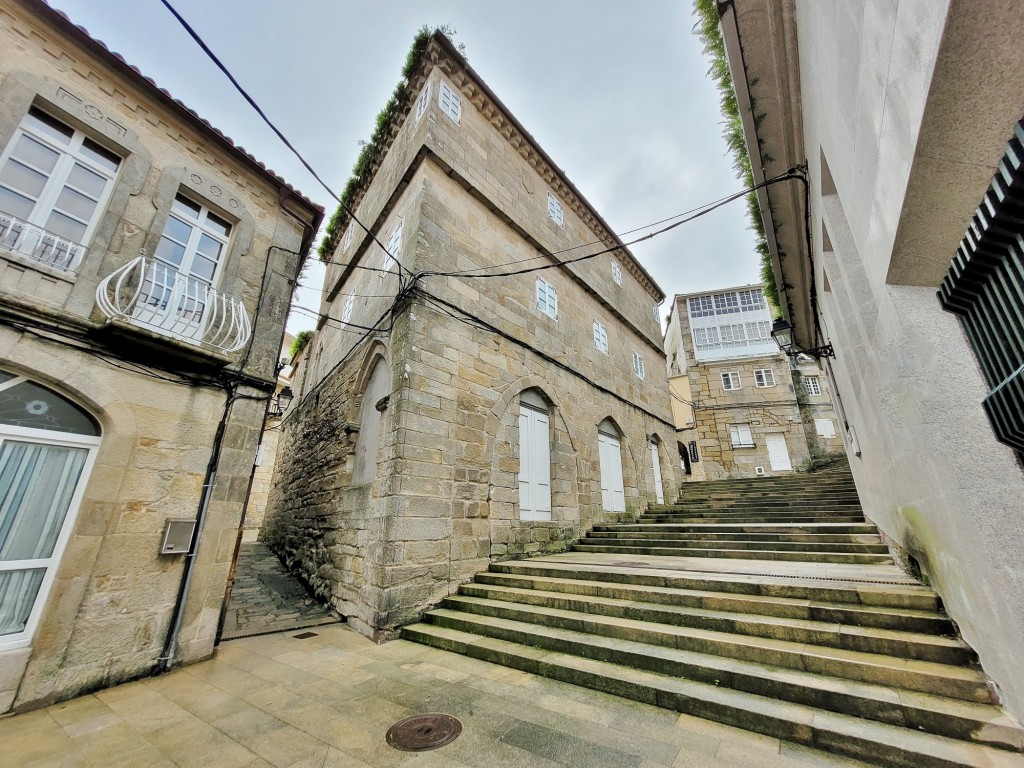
346,315
547,298
555,210
616,272
638,366
450,104
422,101
348,235
730,380
739,435
813,385
764,377
600,337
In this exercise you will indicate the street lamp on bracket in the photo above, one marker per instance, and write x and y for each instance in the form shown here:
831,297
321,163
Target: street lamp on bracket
782,332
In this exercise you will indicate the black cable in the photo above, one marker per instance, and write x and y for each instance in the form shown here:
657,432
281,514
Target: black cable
227,73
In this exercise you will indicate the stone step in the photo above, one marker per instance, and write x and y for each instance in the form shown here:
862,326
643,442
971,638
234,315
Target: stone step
908,595
883,743
739,541
882,617
850,497
753,528
739,554
664,533
816,505
888,642
744,518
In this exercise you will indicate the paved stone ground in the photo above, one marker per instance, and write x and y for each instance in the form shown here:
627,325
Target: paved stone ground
265,598
327,702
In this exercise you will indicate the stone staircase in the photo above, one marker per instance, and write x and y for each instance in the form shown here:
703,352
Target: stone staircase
770,604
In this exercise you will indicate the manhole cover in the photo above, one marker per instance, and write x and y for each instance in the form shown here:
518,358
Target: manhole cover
422,732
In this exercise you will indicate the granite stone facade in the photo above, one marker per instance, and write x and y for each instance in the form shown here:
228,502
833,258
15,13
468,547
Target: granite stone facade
469,193
168,413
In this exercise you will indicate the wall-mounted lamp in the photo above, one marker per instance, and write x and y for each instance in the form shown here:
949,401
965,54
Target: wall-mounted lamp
782,332
279,403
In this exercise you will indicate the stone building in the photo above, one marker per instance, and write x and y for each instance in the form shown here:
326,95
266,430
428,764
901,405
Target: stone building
474,417
146,268
748,409
902,117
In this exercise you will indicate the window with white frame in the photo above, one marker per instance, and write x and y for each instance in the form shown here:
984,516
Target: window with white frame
393,248
726,303
47,447
638,366
54,186
600,337
813,385
764,377
422,101
547,298
740,437
348,235
555,210
759,331
751,300
346,314
450,104
730,380
733,335
701,306
616,272
706,338
825,427
654,311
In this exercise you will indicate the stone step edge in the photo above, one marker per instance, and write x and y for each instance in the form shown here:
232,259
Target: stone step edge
765,600
809,625
736,542
927,653
741,554
653,576
841,734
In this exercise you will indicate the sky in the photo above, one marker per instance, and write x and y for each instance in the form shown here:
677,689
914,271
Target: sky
615,92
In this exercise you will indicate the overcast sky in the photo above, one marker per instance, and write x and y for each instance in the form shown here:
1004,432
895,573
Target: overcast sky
616,93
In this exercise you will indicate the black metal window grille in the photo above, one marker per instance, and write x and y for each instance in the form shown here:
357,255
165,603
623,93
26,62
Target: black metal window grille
985,287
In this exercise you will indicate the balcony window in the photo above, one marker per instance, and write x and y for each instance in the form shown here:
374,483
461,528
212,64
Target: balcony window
54,185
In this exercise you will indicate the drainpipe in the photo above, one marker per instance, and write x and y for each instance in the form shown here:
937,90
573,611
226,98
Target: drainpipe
166,660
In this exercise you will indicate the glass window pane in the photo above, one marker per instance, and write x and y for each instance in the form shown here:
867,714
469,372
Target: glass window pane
76,204
15,204
35,153
18,590
31,405
23,178
218,225
177,229
102,157
51,126
204,268
210,247
186,206
170,251
37,482
89,182
66,227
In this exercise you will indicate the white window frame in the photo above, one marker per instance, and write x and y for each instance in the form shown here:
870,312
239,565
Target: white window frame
638,366
616,272
450,103
764,378
731,381
534,478
392,250
199,227
547,298
740,436
813,385
422,101
825,428
701,306
654,311
600,337
555,211
70,155
346,314
752,301
726,303
705,338
51,563
348,235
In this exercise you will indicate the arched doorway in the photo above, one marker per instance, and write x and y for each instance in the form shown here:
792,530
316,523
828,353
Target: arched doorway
609,444
47,448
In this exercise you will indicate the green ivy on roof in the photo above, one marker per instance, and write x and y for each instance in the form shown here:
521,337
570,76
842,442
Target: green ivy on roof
709,32
371,148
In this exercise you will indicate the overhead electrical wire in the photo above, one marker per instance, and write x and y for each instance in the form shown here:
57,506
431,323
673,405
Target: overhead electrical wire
277,131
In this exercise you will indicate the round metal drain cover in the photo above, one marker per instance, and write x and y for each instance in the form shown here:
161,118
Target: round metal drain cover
422,732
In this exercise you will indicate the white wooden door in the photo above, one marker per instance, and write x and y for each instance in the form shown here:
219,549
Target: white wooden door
613,496
659,488
778,455
534,465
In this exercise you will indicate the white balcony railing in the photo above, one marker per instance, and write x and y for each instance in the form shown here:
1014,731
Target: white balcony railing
154,296
35,243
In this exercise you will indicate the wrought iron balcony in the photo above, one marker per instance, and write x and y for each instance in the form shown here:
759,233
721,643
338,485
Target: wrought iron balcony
154,296
39,245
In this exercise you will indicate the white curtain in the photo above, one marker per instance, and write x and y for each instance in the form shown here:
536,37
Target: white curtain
18,590
36,485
